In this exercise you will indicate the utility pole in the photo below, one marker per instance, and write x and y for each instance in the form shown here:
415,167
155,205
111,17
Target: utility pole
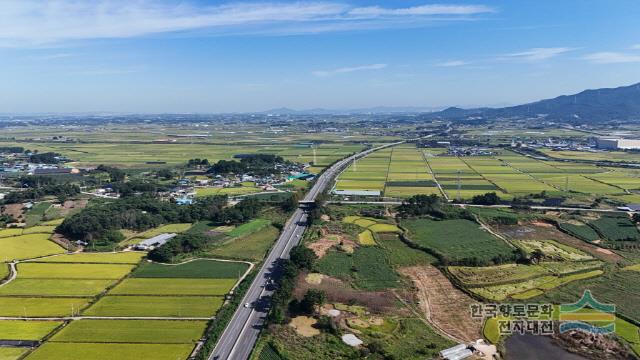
459,185
566,184
315,159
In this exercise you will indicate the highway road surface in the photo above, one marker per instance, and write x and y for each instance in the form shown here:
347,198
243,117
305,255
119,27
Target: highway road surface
241,334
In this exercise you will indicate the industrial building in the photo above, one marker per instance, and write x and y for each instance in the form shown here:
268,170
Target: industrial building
617,144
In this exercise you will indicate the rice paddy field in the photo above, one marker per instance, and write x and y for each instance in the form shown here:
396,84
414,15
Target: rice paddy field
112,285
404,171
27,246
140,154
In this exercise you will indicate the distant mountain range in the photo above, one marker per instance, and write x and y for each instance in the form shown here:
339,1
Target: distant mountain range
371,110
621,103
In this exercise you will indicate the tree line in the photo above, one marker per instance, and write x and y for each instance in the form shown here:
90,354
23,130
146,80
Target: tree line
100,223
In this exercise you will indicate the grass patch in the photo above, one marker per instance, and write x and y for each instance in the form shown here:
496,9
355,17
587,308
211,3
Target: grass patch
160,286
249,228
250,247
193,269
164,229
368,268
169,306
26,330
400,254
456,240
132,331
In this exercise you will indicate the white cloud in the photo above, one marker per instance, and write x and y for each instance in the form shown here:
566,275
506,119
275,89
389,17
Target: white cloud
635,47
538,54
422,10
452,63
47,22
343,70
606,57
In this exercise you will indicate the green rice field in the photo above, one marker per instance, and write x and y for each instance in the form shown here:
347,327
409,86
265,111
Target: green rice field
26,330
129,257
72,271
131,331
168,306
193,269
174,286
101,351
27,246
40,306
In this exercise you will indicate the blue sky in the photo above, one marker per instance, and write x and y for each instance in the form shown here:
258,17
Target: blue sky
223,56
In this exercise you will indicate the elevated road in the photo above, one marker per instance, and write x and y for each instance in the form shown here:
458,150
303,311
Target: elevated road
240,335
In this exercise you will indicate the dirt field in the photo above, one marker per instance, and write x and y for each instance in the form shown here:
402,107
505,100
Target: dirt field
71,205
15,210
304,326
321,246
339,292
533,231
446,307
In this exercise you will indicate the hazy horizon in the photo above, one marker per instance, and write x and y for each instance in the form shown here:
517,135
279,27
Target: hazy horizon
169,56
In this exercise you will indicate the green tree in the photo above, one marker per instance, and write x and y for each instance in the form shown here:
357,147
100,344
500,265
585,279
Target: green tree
312,299
303,257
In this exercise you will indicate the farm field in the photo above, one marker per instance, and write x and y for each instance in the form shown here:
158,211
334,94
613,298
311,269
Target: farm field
100,351
173,286
367,268
169,306
404,171
170,228
26,330
253,246
55,287
530,288
72,271
7,353
128,257
193,269
616,228
27,246
552,249
143,155
509,273
40,306
248,228
399,172
131,331
235,190
456,240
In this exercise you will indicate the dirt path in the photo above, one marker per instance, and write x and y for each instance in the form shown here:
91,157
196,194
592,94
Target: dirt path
445,307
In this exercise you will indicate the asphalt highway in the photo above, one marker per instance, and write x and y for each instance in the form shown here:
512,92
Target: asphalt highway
241,334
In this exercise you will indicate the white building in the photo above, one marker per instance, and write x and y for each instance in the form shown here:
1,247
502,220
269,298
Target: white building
617,143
